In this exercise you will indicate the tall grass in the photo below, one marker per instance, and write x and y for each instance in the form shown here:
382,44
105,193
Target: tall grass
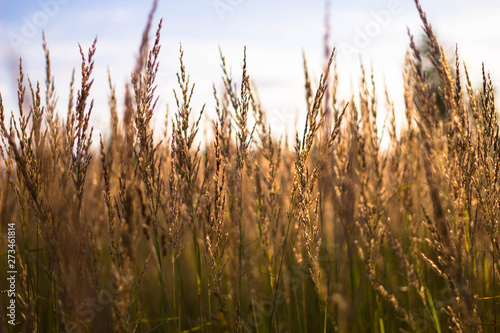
243,232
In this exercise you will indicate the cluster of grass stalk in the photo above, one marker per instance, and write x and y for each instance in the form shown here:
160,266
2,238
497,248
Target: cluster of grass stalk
242,232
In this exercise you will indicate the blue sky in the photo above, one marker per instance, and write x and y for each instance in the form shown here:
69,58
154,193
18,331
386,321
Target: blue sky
275,33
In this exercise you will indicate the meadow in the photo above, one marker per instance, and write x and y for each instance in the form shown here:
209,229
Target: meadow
238,230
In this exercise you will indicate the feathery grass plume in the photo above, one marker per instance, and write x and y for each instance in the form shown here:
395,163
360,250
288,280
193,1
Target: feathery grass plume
23,157
122,234
128,116
486,183
174,221
127,164
78,152
113,248
80,155
303,197
145,101
52,118
241,106
184,134
224,121
372,225
215,237
308,87
54,225
187,160
447,236
267,168
22,173
243,136
148,160
116,135
50,95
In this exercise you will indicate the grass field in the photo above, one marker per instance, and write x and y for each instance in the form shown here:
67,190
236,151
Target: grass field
239,231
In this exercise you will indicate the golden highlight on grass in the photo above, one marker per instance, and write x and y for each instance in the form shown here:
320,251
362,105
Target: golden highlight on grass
242,232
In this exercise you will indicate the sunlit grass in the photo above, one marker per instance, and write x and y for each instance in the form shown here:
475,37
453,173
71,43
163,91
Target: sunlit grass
243,232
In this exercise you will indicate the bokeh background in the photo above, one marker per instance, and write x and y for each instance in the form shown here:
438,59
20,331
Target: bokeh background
275,33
